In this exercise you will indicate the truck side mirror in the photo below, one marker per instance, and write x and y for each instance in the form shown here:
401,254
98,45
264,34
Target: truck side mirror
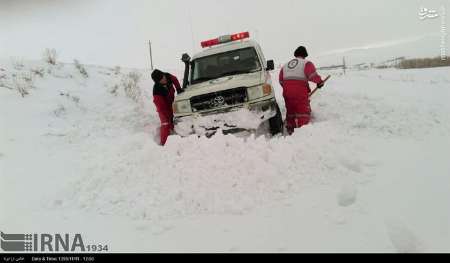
186,60
270,65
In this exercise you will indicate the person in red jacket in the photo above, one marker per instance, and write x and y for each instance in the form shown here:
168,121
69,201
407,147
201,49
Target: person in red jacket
294,78
163,97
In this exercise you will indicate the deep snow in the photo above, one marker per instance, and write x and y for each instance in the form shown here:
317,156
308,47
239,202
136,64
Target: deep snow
371,173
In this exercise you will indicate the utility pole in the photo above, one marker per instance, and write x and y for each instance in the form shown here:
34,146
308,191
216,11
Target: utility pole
343,64
151,55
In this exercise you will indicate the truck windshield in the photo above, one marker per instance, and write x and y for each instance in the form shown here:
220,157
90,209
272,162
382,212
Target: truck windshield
240,61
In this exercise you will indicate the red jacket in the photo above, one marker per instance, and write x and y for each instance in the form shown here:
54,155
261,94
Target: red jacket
298,74
163,96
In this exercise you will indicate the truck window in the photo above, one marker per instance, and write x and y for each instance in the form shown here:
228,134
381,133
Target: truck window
240,61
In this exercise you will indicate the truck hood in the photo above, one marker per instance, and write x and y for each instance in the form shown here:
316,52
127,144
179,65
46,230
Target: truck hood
224,83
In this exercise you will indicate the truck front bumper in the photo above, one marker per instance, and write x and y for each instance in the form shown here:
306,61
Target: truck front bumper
248,116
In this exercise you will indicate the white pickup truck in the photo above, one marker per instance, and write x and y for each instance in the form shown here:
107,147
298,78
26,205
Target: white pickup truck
227,86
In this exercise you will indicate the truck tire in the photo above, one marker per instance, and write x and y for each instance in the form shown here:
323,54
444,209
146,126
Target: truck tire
276,123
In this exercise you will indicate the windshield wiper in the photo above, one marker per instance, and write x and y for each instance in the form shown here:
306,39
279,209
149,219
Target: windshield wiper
230,73
237,72
203,79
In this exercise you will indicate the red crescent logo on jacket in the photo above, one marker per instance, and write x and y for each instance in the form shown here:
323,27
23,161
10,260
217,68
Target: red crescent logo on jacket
293,63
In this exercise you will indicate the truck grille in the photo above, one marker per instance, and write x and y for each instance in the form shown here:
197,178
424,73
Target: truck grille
219,99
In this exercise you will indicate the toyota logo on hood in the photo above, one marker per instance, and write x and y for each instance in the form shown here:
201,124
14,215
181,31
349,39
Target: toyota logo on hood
218,101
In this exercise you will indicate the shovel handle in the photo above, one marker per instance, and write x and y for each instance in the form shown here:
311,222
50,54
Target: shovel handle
316,89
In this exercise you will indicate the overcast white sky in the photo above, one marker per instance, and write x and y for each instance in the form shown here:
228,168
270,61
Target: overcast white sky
116,32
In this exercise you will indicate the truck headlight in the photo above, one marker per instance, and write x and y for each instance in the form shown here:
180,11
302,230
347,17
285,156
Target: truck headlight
182,106
259,91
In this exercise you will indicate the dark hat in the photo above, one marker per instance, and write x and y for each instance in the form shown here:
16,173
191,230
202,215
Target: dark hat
157,75
301,52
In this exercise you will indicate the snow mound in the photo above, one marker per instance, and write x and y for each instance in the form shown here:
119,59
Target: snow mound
241,119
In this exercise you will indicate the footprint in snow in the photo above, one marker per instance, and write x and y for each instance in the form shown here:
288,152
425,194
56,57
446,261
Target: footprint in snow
354,166
347,196
403,239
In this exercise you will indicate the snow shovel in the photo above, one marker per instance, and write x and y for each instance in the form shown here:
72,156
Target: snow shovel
316,89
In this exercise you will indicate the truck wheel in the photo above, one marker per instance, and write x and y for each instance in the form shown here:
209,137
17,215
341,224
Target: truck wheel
276,123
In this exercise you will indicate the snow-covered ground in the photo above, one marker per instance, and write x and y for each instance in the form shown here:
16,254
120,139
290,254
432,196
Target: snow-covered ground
370,174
